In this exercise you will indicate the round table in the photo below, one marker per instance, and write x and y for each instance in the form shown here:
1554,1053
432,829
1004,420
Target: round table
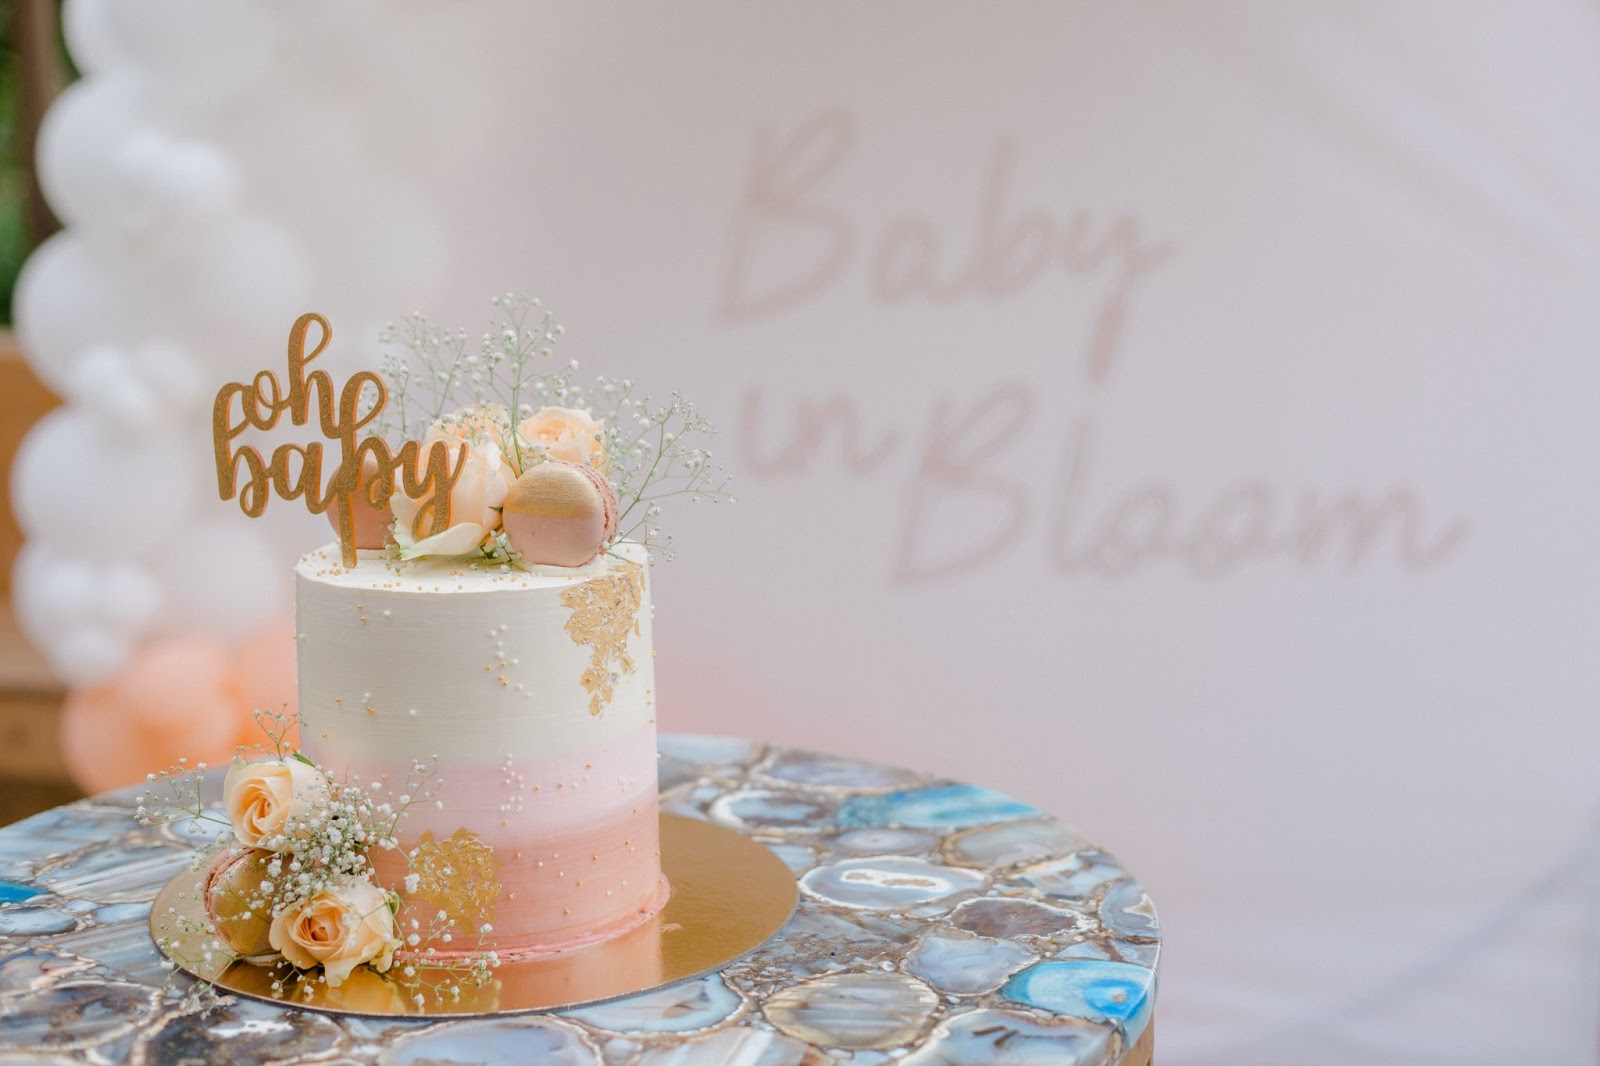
938,923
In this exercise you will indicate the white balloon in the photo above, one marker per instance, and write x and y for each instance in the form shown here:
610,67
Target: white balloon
29,603
70,296
139,391
129,599
57,594
135,409
52,591
100,365
99,375
82,140
78,483
87,655
166,180
171,373
89,36
216,44
57,598
246,282
196,180
223,578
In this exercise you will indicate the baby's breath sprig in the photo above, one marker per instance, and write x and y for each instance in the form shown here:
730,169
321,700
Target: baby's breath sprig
656,452
328,844
653,451
513,361
198,951
184,782
442,973
438,361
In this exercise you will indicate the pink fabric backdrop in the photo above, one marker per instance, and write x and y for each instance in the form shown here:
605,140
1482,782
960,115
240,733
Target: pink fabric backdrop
1179,416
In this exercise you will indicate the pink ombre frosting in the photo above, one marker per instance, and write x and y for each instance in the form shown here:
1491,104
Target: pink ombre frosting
476,672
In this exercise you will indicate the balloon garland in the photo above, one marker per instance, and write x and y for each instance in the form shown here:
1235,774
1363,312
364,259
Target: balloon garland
190,235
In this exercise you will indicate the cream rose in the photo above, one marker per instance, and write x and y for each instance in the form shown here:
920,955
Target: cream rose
338,929
475,501
568,434
261,797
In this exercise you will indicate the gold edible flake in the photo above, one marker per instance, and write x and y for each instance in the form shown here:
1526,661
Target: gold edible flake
605,611
457,875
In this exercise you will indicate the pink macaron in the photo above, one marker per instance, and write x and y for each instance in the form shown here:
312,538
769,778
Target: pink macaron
560,514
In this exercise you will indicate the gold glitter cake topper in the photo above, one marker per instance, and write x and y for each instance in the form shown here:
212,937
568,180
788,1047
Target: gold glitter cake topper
263,401
457,875
605,610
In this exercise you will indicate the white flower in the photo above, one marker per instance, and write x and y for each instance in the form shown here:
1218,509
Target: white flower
474,504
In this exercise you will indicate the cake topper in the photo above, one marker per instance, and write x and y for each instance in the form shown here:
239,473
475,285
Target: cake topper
492,457
262,402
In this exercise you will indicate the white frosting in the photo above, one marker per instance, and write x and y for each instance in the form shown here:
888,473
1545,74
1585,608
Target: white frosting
410,660
483,670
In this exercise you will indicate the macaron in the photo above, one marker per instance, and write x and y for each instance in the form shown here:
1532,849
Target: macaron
233,898
560,514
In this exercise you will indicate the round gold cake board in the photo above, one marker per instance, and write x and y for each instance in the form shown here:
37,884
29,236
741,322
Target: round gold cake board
729,895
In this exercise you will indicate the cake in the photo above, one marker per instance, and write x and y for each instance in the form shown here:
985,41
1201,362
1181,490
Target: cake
475,780
529,694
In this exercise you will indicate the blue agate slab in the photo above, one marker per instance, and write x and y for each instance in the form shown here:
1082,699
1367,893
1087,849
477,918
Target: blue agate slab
939,924
1099,991
938,807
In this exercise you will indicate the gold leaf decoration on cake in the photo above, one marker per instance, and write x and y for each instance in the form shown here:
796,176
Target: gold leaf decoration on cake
605,611
457,875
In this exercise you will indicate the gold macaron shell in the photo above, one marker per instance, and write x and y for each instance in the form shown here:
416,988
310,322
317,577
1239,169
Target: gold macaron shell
555,514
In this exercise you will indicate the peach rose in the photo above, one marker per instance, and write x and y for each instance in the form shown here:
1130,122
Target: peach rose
475,501
566,433
338,929
261,797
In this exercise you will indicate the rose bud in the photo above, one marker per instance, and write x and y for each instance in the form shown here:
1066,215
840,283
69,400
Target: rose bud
239,909
262,797
567,434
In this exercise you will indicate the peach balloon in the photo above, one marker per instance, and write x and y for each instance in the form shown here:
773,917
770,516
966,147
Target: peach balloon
263,677
370,524
170,701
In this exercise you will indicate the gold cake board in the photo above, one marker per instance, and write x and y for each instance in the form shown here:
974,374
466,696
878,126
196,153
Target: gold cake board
729,895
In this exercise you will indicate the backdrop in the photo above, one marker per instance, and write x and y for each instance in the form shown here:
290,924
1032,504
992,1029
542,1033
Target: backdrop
1178,416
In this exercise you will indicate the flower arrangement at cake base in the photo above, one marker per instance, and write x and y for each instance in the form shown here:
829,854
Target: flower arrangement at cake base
291,885
477,786
285,903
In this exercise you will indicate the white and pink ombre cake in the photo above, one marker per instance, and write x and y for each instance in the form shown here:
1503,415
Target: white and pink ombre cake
534,691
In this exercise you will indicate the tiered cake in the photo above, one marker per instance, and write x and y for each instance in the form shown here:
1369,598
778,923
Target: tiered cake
533,690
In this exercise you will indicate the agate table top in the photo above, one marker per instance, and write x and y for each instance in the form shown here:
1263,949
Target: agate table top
938,923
